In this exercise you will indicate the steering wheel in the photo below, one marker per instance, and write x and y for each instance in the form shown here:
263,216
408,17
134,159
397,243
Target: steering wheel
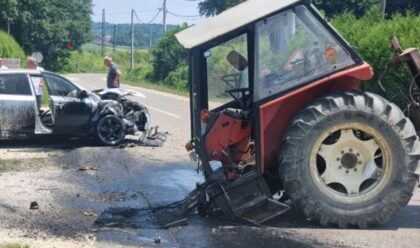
272,79
243,99
232,79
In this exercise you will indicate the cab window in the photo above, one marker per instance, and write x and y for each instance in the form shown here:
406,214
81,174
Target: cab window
15,84
227,69
293,48
58,86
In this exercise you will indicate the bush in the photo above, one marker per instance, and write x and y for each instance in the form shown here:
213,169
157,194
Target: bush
178,78
9,48
168,55
82,62
371,34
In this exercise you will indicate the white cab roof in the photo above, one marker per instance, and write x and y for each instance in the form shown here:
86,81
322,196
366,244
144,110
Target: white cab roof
230,20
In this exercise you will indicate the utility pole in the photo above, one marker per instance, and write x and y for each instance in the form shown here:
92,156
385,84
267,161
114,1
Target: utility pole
8,27
165,12
115,37
132,40
103,33
151,42
383,8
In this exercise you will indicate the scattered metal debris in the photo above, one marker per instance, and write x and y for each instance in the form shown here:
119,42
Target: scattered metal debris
89,214
157,240
87,168
181,222
34,205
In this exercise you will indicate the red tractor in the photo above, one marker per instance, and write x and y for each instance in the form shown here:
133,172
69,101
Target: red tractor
276,106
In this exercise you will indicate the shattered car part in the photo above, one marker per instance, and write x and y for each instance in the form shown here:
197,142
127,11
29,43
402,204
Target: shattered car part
106,114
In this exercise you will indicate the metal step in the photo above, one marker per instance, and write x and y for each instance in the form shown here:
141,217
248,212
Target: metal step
250,200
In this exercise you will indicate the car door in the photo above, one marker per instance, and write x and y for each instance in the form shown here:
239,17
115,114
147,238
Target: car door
17,106
70,114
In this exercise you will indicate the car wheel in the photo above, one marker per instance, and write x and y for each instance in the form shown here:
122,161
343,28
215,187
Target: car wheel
110,130
350,160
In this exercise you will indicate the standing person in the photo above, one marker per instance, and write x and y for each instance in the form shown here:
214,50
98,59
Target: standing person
2,66
114,74
36,81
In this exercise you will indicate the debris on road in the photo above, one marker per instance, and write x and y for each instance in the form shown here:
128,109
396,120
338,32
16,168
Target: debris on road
181,222
87,168
157,240
89,214
34,205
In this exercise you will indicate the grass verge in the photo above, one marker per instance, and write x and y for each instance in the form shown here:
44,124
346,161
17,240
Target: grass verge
13,246
159,87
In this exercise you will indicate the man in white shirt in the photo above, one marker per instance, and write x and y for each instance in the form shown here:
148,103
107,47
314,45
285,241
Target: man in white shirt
2,66
37,82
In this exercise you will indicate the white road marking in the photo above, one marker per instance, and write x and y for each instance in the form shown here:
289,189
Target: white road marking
164,112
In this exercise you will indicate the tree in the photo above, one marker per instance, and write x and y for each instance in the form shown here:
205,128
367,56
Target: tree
330,7
49,26
168,55
9,48
214,7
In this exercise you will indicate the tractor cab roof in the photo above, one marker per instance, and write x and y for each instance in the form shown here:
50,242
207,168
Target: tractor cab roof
230,20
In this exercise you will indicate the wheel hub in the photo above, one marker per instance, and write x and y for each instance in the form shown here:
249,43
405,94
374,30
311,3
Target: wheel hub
349,160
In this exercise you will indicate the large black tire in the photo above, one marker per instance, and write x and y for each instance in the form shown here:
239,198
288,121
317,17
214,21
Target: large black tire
110,130
363,120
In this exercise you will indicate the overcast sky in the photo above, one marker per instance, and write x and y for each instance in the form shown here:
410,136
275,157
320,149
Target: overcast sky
118,11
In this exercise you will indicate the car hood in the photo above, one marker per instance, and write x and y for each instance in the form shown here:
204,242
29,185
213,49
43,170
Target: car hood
121,92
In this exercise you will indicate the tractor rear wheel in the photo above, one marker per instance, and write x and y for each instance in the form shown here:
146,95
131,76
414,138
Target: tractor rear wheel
350,160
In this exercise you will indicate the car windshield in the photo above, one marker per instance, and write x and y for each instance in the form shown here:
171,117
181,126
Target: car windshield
227,69
293,48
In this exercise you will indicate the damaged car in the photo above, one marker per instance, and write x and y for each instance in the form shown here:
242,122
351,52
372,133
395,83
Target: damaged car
109,115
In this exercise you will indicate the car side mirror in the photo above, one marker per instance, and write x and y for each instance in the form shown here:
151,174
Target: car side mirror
82,94
237,60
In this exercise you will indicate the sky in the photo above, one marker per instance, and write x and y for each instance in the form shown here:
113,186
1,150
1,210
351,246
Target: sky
118,11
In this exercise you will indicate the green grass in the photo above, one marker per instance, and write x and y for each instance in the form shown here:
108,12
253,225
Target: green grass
13,246
9,164
45,97
157,86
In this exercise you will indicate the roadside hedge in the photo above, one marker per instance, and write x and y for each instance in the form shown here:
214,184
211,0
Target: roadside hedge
9,48
371,35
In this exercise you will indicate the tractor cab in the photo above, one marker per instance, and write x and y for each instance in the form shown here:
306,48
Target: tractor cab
253,68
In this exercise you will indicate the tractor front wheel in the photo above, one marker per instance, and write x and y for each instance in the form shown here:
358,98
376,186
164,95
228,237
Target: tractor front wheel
350,160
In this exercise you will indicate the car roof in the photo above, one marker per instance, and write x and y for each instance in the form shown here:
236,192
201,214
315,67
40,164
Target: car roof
20,71
233,18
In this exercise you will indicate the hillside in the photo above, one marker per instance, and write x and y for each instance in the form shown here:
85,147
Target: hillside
142,34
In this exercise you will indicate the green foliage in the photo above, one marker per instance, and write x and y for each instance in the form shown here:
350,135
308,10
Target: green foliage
168,55
329,7
371,34
142,34
49,26
92,62
82,62
178,78
211,7
9,48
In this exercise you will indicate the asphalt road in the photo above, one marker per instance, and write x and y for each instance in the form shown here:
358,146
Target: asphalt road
110,206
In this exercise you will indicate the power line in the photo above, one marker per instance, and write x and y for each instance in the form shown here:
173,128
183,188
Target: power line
179,15
154,17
